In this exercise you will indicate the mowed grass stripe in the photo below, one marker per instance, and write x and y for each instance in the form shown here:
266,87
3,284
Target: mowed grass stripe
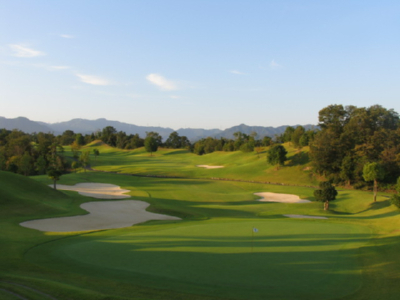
284,259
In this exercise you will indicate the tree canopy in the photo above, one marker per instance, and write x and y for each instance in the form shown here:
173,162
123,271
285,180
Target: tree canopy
276,155
349,137
152,142
326,192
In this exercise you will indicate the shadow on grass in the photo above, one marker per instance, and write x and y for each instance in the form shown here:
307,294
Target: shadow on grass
301,266
182,151
300,158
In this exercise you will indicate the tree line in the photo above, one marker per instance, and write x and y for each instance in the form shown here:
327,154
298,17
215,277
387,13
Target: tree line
357,144
352,145
39,153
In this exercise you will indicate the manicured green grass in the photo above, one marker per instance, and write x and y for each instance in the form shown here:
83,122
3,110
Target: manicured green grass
286,258
211,253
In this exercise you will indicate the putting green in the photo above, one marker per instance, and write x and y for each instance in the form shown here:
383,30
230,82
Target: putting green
285,259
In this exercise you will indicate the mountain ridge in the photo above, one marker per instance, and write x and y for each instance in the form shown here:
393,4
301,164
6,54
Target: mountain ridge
85,126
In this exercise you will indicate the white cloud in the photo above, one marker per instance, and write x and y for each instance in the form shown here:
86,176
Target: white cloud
161,82
237,72
274,65
22,51
174,97
89,79
67,36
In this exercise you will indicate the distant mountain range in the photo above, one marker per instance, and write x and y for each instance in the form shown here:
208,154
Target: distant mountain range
89,126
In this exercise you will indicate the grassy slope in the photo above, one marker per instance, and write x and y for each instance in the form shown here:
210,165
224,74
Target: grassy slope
24,199
193,200
182,163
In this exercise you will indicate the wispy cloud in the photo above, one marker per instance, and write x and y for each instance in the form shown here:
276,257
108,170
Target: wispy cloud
67,36
174,97
236,72
274,65
161,82
94,80
23,51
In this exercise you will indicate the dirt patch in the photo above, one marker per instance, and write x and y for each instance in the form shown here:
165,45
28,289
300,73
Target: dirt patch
282,198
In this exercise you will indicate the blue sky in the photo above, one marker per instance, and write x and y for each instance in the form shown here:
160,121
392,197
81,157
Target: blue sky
198,64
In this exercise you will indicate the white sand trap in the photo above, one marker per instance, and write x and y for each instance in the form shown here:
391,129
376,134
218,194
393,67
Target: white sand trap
209,167
305,217
283,198
96,190
102,215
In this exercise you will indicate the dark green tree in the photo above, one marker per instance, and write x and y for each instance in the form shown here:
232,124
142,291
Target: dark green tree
326,193
80,140
152,142
297,135
96,153
395,199
108,135
54,175
26,164
276,155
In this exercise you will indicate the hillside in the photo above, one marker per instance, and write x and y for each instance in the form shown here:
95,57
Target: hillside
182,163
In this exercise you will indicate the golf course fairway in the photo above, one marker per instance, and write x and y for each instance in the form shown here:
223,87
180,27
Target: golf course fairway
225,258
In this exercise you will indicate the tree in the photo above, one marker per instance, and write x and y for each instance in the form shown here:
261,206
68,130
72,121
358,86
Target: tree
25,164
395,199
287,135
108,135
266,141
326,193
80,139
67,137
55,175
296,136
85,160
96,153
2,160
276,155
152,141
75,147
373,172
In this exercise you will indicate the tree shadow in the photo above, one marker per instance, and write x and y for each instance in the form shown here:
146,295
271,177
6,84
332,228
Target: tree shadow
300,158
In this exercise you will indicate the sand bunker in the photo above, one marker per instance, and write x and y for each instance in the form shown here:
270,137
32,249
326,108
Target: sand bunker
96,190
283,198
305,217
209,167
102,215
